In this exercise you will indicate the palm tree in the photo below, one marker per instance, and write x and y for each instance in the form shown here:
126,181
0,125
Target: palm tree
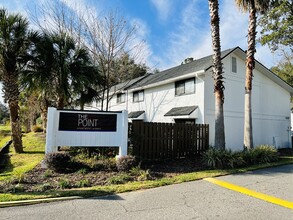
13,46
59,70
251,6
217,75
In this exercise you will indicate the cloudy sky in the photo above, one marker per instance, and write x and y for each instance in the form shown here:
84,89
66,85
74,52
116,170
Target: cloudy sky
171,29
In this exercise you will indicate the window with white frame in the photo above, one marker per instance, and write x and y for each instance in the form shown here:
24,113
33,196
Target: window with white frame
138,96
186,86
234,65
121,97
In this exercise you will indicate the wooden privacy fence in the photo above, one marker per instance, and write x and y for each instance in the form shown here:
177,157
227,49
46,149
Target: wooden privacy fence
168,140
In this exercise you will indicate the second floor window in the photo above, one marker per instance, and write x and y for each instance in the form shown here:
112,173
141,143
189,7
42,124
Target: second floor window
186,86
121,97
138,96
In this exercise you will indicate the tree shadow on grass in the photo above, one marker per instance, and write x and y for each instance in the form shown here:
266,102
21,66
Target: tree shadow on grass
6,166
34,152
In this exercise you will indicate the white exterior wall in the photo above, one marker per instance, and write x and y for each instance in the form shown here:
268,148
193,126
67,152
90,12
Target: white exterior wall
270,108
159,100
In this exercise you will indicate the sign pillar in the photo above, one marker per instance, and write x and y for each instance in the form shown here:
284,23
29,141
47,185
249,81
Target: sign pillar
51,131
124,145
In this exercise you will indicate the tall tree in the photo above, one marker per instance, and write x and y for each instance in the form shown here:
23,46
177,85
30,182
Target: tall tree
126,69
108,38
13,46
217,75
59,70
253,7
284,69
277,25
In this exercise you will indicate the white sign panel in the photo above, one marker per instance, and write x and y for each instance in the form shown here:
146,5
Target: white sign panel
86,129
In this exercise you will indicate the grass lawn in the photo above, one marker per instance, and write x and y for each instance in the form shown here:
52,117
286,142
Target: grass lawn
34,152
34,147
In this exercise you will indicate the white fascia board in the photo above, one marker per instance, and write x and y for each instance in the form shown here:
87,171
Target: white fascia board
186,76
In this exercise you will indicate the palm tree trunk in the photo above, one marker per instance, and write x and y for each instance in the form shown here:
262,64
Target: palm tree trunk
250,63
60,103
44,114
15,125
217,75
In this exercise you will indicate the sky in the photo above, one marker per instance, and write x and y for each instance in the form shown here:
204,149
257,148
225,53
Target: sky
171,30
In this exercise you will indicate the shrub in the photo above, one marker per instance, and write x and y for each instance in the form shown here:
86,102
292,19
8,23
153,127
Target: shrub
261,154
119,179
43,187
57,161
215,158
126,163
47,174
83,183
64,184
108,164
218,158
82,171
18,188
140,174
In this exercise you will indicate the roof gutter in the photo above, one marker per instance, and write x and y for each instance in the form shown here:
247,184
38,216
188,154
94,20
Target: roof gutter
186,76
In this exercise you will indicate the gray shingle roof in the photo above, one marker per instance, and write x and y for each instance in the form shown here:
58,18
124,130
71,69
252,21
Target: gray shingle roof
201,64
178,111
126,84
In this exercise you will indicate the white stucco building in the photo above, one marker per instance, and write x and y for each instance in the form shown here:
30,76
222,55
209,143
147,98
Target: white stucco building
185,94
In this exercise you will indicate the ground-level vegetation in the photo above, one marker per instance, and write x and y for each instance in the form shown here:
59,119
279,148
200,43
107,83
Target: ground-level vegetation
79,172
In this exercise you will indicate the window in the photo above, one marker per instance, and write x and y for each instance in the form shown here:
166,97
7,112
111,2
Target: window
185,87
234,65
121,97
138,96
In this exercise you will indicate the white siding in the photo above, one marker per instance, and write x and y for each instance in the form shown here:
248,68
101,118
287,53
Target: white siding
270,105
159,100
270,108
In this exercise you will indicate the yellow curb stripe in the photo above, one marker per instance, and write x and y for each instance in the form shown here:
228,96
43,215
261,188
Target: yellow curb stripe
251,193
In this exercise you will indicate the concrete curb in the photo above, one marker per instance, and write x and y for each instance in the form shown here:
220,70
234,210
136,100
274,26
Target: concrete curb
36,201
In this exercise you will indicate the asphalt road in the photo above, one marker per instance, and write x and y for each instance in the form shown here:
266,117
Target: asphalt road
192,200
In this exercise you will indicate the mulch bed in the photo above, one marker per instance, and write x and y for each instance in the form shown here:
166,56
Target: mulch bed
40,179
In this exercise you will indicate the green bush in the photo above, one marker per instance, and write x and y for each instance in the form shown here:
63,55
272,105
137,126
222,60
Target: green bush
119,179
47,174
140,174
57,161
126,163
218,158
64,184
83,183
105,164
261,154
